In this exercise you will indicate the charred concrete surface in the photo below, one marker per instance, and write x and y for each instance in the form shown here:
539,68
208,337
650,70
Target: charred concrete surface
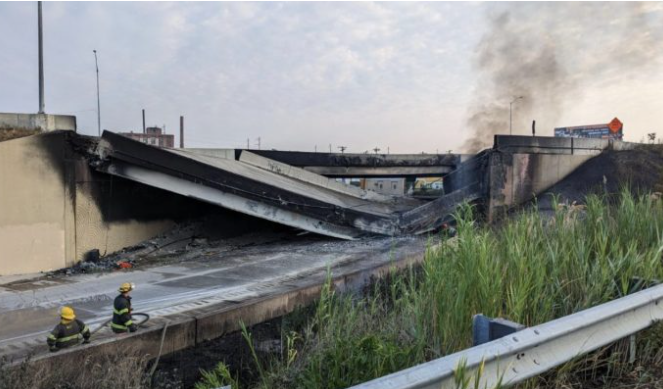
521,168
639,169
114,192
264,190
201,299
54,207
206,296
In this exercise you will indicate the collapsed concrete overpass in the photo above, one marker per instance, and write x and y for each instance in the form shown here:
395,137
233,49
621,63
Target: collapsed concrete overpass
65,200
514,171
258,186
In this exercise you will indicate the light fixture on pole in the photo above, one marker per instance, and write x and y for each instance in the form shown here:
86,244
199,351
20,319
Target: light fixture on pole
510,113
96,64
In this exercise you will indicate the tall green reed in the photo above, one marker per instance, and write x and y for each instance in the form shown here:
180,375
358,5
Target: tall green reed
531,269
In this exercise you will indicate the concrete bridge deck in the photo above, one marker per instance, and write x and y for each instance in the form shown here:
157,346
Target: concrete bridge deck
368,165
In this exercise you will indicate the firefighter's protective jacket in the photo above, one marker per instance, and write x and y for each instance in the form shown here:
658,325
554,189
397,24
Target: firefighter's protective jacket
68,333
122,315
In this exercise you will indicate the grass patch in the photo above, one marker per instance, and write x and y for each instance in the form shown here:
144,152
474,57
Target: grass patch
9,133
124,368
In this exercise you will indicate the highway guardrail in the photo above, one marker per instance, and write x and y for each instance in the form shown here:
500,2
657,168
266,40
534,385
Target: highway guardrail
535,350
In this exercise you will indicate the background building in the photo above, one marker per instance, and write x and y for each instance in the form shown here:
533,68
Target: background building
388,186
152,136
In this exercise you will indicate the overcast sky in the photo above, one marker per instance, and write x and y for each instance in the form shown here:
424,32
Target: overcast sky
403,76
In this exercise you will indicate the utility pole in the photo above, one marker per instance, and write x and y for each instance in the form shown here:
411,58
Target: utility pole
510,115
315,148
96,64
330,148
258,142
181,132
248,145
652,137
41,59
143,120
342,148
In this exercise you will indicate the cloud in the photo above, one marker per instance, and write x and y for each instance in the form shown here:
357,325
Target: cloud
552,54
396,75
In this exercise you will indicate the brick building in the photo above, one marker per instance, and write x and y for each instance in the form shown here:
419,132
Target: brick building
152,136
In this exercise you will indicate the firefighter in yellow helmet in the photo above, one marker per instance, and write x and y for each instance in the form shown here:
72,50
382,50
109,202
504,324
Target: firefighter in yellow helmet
122,321
69,332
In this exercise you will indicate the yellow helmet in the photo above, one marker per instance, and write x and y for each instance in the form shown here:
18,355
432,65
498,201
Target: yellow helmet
126,287
67,313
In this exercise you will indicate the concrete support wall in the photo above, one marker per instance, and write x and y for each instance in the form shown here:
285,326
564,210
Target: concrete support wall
522,167
44,121
33,201
50,213
518,178
94,230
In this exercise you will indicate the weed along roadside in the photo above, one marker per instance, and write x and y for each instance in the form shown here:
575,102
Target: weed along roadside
531,270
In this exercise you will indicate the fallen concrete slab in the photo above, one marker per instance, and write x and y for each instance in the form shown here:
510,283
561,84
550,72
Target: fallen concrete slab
267,189
312,178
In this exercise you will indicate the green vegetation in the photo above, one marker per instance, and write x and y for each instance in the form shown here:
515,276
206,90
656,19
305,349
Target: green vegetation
105,370
531,269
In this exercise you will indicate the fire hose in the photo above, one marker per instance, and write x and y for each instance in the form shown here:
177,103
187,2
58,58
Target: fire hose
145,320
142,322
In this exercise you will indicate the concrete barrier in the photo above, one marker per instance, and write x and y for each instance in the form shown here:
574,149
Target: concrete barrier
522,167
54,208
46,122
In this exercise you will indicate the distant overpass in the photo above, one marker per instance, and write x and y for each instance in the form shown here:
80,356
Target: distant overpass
366,165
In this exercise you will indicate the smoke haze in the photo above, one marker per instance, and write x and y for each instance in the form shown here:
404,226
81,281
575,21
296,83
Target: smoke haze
554,55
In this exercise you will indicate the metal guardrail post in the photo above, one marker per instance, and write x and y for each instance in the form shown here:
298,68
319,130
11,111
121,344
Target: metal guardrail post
535,350
485,329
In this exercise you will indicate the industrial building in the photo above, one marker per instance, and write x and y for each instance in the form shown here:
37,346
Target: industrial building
154,136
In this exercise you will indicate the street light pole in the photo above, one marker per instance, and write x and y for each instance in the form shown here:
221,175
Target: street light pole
510,113
41,59
96,64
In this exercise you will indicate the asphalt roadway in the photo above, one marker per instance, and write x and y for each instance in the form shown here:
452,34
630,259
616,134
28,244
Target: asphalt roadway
29,310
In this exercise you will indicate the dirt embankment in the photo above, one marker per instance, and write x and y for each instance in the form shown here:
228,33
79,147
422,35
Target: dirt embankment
640,170
9,133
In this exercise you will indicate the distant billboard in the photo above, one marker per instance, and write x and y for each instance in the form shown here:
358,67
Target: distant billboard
612,130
